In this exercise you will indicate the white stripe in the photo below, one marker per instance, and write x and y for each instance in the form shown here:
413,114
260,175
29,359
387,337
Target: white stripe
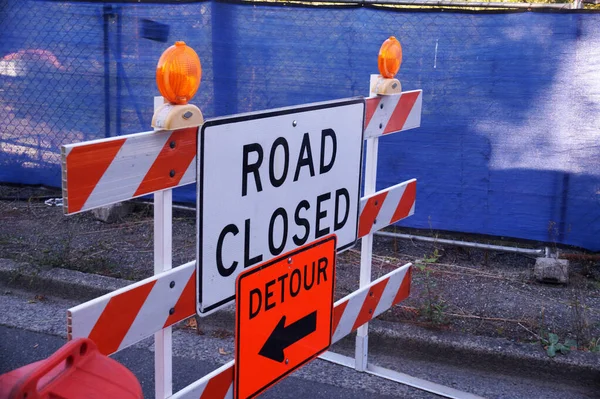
414,117
371,130
190,174
382,115
391,289
357,298
389,205
128,169
155,310
136,136
85,316
363,203
192,391
229,394
351,312
195,389
384,218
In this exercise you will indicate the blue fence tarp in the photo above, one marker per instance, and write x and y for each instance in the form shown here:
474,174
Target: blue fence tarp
510,137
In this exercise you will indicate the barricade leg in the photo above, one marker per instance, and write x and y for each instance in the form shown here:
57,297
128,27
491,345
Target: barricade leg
163,220
366,252
366,249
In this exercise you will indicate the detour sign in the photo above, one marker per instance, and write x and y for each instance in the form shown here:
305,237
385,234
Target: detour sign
283,315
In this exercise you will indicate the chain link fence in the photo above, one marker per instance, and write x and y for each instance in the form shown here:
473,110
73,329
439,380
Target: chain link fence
74,71
509,140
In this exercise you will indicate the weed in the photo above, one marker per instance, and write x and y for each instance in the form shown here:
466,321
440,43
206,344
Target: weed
434,311
434,307
553,346
551,341
580,324
427,261
594,345
396,249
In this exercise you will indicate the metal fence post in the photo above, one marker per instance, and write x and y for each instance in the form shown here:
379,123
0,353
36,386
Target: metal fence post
107,13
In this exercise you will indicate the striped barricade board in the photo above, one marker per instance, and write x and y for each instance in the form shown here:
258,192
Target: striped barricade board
121,318
105,171
102,172
392,114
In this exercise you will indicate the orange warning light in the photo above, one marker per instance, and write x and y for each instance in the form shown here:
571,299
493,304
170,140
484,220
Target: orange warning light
390,57
178,73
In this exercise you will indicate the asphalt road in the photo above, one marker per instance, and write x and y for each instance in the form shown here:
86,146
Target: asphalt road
20,347
32,328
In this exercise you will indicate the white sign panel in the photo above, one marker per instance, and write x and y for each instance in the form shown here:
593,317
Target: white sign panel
271,181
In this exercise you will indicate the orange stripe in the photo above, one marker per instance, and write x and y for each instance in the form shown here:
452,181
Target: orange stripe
370,304
369,214
186,304
85,167
401,112
338,311
372,104
218,386
117,318
404,290
406,202
169,159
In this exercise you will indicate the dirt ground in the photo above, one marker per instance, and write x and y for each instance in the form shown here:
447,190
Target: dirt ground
472,291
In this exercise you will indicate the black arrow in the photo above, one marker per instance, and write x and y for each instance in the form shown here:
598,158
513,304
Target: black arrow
283,336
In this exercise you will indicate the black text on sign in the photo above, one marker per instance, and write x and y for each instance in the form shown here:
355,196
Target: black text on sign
271,182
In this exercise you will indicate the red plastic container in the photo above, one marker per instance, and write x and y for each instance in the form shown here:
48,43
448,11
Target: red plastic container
77,370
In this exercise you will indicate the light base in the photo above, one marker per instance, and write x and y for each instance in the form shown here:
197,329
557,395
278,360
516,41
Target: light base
172,117
383,86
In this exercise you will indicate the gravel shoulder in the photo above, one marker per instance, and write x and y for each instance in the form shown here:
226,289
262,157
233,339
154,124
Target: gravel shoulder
464,291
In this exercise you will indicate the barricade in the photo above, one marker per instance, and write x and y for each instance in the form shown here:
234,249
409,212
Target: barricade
107,171
121,318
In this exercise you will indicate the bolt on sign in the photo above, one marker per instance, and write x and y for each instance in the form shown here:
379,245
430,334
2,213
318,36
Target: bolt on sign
283,315
270,182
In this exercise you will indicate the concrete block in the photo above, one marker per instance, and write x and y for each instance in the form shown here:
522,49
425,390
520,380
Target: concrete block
551,270
112,213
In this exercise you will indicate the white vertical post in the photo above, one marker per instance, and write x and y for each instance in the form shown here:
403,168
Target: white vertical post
163,212
366,250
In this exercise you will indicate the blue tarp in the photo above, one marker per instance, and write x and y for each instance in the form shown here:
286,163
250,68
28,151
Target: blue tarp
510,137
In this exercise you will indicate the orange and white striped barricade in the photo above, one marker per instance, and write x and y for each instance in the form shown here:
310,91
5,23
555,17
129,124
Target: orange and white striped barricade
393,113
102,172
154,162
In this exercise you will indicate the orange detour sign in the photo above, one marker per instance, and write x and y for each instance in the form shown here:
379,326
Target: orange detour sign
283,315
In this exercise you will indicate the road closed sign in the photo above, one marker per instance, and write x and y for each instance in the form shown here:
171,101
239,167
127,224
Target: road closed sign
283,315
273,181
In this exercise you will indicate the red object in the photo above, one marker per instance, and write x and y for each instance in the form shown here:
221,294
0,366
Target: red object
77,370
